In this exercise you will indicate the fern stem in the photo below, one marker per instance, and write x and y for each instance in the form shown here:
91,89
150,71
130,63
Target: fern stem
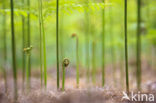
13,50
77,62
5,47
27,73
28,38
63,77
40,27
113,57
126,49
44,48
57,41
93,62
103,45
62,33
65,63
87,38
23,46
139,45
77,59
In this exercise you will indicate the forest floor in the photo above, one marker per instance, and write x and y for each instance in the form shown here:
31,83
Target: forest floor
88,92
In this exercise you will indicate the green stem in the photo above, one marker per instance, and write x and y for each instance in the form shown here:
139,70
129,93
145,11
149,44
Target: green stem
93,63
27,72
57,41
23,46
13,50
87,38
103,45
40,27
77,62
126,51
63,77
93,48
44,48
28,36
121,69
139,46
113,57
5,47
62,33
65,63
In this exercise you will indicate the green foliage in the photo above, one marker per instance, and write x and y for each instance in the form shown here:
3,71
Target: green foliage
67,8
151,36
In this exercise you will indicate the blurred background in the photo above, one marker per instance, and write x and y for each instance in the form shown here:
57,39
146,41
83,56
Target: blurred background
73,19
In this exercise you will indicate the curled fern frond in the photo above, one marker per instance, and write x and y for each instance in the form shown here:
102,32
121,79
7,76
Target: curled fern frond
65,62
28,49
74,35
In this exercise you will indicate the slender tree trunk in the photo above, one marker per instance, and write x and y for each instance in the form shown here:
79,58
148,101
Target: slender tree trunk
13,49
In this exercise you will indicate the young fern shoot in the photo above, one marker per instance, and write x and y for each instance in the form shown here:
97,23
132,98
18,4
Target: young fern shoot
27,51
65,63
77,59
